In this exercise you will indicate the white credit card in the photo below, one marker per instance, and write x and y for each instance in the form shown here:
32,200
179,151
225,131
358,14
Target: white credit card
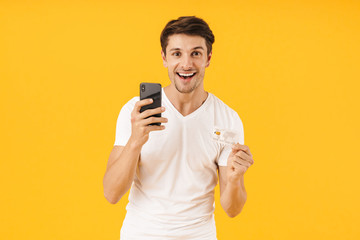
226,136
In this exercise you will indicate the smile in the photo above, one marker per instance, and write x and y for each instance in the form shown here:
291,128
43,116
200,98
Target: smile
186,75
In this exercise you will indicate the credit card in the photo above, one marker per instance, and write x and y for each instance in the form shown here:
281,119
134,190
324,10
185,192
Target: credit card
226,136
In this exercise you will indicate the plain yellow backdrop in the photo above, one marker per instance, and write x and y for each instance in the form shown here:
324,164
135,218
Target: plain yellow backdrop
289,68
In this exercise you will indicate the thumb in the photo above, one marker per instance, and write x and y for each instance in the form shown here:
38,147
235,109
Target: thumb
234,149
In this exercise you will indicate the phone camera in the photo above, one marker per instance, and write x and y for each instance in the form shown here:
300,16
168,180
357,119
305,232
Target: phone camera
143,88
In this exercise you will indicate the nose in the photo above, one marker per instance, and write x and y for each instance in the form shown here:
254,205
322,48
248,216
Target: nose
186,62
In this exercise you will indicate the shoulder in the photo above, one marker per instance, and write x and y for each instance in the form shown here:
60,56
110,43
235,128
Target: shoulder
223,110
226,118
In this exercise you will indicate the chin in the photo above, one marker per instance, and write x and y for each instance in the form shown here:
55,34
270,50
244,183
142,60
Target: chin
185,89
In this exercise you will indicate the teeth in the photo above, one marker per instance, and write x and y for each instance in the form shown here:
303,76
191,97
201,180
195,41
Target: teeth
186,75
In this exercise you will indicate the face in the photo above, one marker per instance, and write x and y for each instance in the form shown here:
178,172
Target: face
186,59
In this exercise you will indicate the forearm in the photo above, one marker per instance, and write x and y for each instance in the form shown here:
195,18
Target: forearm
233,197
120,175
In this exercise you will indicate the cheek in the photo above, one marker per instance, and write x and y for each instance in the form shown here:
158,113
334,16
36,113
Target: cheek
201,63
172,65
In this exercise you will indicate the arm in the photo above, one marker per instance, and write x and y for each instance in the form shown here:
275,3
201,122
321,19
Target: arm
123,160
231,179
120,171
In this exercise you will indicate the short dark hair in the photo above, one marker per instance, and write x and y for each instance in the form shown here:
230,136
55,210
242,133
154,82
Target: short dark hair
189,25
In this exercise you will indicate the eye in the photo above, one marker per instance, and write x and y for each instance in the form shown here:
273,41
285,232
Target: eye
196,53
176,54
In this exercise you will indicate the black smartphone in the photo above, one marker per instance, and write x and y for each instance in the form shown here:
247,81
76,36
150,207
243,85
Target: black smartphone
151,90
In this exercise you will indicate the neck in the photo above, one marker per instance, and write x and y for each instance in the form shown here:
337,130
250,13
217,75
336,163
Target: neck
186,103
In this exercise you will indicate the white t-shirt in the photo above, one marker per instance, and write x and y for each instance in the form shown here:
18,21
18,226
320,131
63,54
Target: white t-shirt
172,196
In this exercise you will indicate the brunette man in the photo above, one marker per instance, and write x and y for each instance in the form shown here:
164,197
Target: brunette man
172,169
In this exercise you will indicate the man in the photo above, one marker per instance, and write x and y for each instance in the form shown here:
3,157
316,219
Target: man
172,169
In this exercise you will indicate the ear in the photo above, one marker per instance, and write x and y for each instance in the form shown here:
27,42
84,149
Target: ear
208,59
164,58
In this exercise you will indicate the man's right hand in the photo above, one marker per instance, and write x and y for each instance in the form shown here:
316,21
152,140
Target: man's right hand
140,128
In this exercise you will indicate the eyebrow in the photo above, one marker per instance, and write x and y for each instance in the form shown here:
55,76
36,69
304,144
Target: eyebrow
177,49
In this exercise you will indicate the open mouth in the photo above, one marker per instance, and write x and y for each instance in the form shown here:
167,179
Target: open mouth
187,76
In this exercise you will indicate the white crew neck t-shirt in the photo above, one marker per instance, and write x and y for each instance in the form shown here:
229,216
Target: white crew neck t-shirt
172,196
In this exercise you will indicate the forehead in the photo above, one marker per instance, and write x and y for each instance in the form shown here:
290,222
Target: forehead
185,42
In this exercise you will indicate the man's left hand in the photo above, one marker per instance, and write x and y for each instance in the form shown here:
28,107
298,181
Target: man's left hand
240,159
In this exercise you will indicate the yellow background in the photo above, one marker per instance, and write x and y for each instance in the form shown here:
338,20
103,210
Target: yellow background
289,68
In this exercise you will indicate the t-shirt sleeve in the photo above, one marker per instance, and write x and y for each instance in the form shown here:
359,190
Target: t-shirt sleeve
238,127
123,124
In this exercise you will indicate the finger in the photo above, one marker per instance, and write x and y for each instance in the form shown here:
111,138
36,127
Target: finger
240,168
243,155
155,128
150,112
149,120
235,148
241,147
142,103
234,151
241,163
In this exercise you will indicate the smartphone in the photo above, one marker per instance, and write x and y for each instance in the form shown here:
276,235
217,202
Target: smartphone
151,90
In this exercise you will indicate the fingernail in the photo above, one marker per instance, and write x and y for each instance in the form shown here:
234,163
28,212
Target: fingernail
163,108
